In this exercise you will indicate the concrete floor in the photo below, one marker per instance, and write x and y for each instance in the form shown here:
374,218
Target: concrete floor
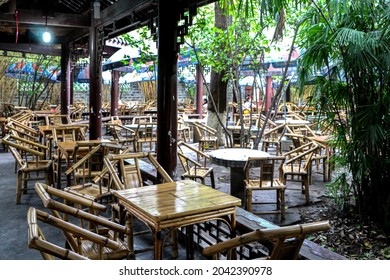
13,224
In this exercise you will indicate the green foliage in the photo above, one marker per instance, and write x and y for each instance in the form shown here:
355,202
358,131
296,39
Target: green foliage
350,42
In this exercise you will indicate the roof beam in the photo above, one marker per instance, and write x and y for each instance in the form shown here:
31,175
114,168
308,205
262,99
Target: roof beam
37,18
121,9
31,48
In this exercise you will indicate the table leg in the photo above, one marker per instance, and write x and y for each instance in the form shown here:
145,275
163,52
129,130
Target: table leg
237,177
157,246
59,170
190,242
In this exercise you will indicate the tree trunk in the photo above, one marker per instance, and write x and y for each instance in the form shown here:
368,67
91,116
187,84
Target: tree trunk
218,87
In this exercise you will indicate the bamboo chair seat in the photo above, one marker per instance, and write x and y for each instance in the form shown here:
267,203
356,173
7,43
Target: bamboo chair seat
260,176
284,242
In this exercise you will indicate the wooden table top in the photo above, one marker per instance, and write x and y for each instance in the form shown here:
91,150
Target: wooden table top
175,200
234,157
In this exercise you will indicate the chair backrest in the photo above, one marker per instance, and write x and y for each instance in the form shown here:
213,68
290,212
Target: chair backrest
125,169
266,172
22,130
29,148
88,160
287,241
201,158
146,130
141,119
57,119
204,131
299,159
48,250
63,133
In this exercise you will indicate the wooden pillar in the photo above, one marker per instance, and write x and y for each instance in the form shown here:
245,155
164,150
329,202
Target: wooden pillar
71,92
114,92
95,81
268,92
65,79
167,86
199,90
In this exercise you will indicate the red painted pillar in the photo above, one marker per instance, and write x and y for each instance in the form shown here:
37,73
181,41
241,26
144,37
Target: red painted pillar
114,92
199,91
65,80
95,83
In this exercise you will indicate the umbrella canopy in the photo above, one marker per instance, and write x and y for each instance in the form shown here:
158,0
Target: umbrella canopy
30,71
135,77
249,81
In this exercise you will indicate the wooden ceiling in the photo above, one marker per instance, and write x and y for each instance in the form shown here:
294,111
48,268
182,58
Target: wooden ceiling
22,22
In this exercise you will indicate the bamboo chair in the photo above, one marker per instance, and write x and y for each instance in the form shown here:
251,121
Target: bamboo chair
271,138
22,130
68,133
183,131
146,133
122,135
194,169
37,241
284,242
296,167
34,168
207,136
57,119
62,133
260,176
84,214
87,164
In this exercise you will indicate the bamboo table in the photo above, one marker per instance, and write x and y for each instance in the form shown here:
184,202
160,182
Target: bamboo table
169,206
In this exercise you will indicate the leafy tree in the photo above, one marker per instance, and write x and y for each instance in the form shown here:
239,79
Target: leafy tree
226,38
349,42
